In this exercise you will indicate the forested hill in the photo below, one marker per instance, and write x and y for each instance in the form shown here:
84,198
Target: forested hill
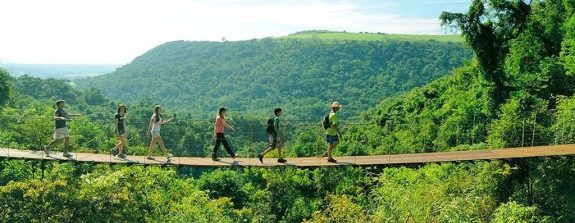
303,76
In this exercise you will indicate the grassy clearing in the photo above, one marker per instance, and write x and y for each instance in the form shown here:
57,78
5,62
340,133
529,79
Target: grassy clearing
373,36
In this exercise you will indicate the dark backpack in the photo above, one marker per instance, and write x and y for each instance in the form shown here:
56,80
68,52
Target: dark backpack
325,123
270,129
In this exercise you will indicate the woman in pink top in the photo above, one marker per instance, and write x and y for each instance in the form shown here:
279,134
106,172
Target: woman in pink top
219,137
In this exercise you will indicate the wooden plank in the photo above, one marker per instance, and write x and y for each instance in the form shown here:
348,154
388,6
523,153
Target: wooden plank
415,158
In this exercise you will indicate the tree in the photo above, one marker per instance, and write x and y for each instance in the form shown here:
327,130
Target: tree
5,87
489,32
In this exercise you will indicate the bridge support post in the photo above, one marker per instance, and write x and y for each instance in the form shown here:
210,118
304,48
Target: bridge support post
43,166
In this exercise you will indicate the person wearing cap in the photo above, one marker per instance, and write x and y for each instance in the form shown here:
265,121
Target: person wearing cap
218,135
61,130
120,128
333,135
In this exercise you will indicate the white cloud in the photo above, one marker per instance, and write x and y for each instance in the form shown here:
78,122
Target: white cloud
107,31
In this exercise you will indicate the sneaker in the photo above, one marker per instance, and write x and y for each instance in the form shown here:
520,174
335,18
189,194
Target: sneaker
123,156
46,151
67,154
169,155
282,160
150,157
114,151
261,158
331,160
235,156
215,159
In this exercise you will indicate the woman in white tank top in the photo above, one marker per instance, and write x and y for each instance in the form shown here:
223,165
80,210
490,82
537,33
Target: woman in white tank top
156,122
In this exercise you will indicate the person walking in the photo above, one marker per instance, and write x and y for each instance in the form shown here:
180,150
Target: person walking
333,135
60,129
218,136
120,130
276,136
156,121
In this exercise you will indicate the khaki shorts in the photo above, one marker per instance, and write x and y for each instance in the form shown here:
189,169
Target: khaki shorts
274,142
61,133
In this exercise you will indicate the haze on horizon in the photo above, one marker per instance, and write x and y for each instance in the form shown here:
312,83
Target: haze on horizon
115,32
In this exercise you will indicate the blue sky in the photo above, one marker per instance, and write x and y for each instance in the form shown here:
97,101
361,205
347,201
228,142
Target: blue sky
117,31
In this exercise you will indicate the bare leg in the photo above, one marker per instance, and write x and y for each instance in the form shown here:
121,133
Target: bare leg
66,141
161,143
120,146
52,143
330,149
152,144
269,149
279,152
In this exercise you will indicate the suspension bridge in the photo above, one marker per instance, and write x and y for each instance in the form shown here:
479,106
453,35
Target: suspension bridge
373,160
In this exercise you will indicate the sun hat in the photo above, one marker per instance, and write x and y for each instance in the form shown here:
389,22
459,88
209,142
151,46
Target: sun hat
335,104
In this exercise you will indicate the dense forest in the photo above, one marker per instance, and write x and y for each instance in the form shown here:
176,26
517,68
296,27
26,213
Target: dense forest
516,91
254,76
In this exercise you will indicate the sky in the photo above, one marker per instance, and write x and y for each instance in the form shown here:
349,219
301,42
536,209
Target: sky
117,31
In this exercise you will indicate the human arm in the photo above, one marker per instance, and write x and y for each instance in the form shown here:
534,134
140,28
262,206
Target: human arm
337,130
215,127
279,133
334,124
167,121
60,115
150,126
116,125
229,126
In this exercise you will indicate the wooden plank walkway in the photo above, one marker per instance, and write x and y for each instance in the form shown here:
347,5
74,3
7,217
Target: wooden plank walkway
494,154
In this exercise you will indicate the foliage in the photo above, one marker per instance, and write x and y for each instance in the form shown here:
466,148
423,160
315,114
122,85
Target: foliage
5,87
532,74
445,193
516,213
302,76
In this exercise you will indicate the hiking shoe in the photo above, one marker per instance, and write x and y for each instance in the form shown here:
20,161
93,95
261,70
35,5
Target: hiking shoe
67,154
150,157
215,159
123,156
282,160
114,151
261,158
331,160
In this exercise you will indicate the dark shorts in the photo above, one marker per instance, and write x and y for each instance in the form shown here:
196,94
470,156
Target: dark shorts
274,142
121,131
331,139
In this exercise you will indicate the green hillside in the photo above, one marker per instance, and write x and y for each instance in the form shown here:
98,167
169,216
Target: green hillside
517,91
254,76
330,35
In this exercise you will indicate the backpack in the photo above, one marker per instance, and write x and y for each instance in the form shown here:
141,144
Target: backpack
325,123
270,129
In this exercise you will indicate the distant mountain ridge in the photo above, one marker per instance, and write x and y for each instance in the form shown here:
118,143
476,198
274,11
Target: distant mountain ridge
58,70
302,75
